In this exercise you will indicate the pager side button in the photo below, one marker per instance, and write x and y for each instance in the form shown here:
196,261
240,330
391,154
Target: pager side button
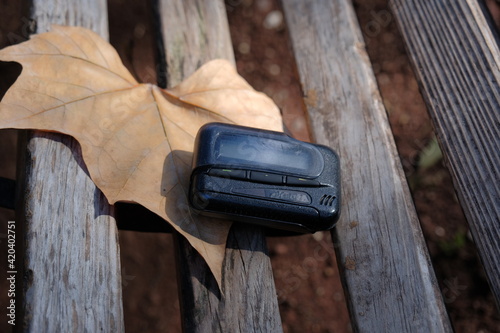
264,177
296,181
228,173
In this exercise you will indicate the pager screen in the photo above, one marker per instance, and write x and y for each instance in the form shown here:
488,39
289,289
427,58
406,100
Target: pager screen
265,153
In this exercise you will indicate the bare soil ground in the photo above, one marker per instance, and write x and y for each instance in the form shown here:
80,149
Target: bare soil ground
307,280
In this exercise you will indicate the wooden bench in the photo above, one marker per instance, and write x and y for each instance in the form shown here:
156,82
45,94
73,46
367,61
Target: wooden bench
72,279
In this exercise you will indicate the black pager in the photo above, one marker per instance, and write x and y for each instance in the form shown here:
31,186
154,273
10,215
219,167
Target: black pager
264,177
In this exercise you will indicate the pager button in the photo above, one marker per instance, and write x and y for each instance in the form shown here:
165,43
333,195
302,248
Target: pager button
297,181
228,173
264,177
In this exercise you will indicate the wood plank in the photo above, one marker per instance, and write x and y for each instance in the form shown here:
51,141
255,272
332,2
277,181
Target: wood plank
72,267
456,59
387,275
194,32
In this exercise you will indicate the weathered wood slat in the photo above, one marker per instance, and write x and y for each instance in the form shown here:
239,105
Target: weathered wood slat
194,32
387,275
72,268
457,61
248,302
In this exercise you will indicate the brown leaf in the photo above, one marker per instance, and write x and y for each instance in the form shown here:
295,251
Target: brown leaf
136,139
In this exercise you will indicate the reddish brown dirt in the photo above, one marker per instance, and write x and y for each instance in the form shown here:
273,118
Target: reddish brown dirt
307,280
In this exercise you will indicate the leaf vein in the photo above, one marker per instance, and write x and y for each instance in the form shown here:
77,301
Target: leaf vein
73,41
20,55
39,93
96,47
177,174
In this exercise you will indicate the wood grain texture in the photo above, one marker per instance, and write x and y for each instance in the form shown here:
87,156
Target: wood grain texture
387,275
248,299
457,61
72,266
194,32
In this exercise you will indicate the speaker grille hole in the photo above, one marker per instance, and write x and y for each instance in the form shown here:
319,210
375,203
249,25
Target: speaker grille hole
327,200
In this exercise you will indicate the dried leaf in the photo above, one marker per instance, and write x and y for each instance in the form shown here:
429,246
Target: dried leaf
136,139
